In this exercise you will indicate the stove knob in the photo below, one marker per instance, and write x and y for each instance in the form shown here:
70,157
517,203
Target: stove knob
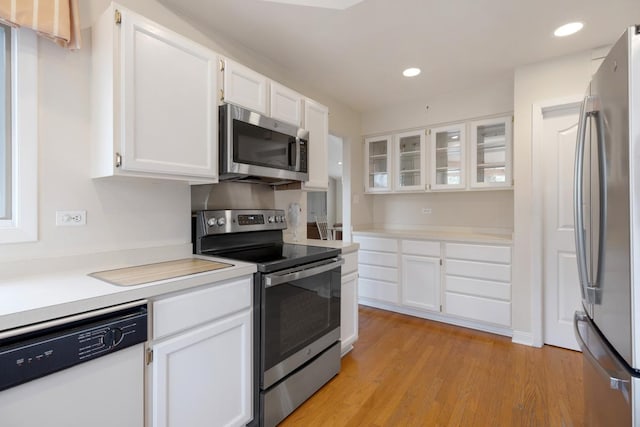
211,222
221,222
278,218
272,219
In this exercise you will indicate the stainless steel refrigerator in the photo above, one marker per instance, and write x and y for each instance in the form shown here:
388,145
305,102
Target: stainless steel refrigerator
607,224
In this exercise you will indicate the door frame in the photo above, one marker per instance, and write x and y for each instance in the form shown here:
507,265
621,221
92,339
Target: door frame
537,197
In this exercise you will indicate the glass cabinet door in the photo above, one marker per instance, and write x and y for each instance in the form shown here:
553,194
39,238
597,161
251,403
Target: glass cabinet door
378,164
448,157
410,165
491,153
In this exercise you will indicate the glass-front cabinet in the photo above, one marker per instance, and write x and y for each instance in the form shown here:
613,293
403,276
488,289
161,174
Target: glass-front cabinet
378,164
448,157
410,161
491,153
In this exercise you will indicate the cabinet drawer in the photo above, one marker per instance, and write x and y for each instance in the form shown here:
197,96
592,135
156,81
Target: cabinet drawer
483,309
377,243
378,273
479,270
195,307
378,258
481,288
350,263
381,291
488,253
421,247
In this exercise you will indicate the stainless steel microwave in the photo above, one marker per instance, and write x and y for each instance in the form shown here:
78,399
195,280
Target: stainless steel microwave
256,146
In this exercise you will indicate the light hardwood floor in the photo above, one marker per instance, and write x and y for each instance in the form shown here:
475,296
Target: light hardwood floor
406,371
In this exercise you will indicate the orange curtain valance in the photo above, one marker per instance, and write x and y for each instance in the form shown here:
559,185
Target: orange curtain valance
57,20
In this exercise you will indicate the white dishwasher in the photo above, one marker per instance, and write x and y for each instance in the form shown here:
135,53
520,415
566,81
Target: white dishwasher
82,370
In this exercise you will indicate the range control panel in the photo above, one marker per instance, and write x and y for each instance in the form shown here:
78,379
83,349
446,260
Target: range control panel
239,220
36,354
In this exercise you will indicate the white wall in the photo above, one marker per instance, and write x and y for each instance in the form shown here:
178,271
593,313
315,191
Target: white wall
477,209
536,83
493,209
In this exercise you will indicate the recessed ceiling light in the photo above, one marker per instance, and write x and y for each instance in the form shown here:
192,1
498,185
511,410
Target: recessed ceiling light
339,163
411,72
568,29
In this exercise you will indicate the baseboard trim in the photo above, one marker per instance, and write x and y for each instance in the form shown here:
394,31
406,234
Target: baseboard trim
524,338
444,318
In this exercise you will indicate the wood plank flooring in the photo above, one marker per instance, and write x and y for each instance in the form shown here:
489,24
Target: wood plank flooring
407,371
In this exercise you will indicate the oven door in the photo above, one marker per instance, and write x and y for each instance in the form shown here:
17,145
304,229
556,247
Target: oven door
300,316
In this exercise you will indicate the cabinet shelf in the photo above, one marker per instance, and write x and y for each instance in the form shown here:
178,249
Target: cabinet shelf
378,156
452,149
378,173
491,165
444,168
409,171
409,153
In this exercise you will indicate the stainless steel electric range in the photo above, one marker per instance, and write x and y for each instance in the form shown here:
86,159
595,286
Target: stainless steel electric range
296,305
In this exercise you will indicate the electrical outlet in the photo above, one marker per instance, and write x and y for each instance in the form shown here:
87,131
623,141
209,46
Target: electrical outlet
426,211
68,218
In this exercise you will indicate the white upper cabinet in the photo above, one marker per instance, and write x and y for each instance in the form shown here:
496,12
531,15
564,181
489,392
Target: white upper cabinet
286,104
491,153
410,161
377,163
448,146
154,101
244,87
316,121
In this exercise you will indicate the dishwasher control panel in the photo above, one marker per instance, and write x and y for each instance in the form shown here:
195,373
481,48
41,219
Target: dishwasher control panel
41,352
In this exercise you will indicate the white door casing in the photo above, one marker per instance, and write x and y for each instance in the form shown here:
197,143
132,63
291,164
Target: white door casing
555,126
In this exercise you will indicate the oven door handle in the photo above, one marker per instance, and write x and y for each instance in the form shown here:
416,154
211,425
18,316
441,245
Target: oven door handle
280,278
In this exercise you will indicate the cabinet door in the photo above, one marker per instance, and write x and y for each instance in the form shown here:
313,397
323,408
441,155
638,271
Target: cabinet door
244,87
377,164
316,121
286,104
448,148
168,101
491,153
410,164
204,377
349,312
421,282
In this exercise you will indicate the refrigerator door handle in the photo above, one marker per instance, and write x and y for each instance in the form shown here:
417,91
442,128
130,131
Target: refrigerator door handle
596,285
615,383
578,201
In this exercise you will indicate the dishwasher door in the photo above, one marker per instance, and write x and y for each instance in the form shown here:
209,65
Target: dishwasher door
86,370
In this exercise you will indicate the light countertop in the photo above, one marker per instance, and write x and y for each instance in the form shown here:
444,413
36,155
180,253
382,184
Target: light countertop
452,235
40,290
347,247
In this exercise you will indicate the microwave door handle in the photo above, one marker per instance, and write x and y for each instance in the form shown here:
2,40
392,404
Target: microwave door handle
297,169
280,278
578,200
293,162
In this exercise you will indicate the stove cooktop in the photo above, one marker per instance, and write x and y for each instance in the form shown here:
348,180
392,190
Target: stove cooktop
279,256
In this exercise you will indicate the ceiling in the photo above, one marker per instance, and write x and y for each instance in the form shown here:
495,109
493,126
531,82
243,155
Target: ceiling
356,55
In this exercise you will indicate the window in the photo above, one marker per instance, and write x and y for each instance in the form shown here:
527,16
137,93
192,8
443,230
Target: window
18,135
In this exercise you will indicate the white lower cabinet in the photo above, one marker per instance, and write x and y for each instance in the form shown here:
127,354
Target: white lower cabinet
349,303
201,372
467,284
478,282
378,269
421,282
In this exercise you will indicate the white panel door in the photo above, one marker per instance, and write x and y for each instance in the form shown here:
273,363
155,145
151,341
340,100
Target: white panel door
560,272
169,108
421,282
204,377
286,104
348,312
316,121
245,87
